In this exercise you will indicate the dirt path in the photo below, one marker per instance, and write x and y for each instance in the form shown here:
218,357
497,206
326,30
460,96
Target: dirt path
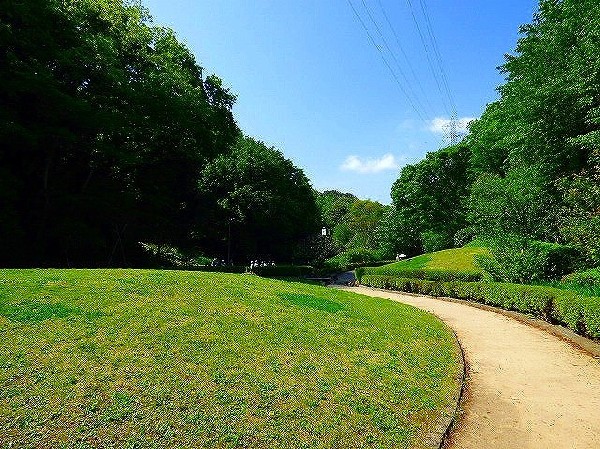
526,389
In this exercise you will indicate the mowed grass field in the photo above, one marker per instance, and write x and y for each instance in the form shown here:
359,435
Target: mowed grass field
455,259
141,358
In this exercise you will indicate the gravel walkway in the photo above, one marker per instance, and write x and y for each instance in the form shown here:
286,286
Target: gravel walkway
526,388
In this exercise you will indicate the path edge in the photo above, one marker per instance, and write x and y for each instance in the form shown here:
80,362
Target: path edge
578,342
440,435
462,388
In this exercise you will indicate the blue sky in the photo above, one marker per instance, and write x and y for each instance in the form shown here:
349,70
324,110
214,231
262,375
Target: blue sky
311,82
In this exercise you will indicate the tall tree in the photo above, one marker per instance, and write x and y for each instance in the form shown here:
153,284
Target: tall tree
260,201
106,124
430,196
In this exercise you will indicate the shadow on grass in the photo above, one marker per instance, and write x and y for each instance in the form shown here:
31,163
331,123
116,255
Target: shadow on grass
34,312
311,302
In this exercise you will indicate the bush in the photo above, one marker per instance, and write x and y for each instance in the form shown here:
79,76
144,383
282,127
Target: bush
349,258
220,269
513,259
284,271
464,237
435,241
559,259
517,259
588,278
424,273
171,257
579,313
591,316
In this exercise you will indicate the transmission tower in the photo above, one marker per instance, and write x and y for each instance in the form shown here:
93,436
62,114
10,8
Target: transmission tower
453,129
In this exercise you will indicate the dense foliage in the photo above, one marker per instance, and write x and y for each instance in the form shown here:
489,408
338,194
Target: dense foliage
353,231
107,123
580,313
262,204
529,171
429,198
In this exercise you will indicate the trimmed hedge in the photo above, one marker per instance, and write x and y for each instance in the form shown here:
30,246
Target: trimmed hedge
587,278
425,274
268,271
354,266
238,269
284,271
579,313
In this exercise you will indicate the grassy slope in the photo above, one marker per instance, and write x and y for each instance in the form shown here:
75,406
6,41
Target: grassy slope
449,259
96,358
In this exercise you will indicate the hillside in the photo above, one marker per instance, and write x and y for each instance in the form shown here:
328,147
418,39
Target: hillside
449,259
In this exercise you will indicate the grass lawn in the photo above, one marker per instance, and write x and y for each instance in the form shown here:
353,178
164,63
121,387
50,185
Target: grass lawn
455,259
130,358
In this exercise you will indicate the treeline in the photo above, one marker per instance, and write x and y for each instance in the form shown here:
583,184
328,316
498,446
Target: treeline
112,140
351,226
526,180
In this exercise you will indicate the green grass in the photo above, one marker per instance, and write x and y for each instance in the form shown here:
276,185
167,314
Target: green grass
449,265
127,358
449,259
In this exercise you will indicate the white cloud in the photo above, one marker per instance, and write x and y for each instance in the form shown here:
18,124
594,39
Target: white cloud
371,165
441,125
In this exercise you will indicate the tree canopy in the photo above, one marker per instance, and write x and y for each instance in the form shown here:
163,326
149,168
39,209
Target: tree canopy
107,125
529,167
263,202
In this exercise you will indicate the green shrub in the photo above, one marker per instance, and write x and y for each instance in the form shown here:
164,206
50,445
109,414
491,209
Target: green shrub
513,259
426,274
172,257
238,269
349,258
284,271
559,259
579,313
591,316
435,241
587,278
586,283
568,309
517,259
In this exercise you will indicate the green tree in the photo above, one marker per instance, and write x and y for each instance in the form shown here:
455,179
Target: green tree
334,206
106,123
580,217
265,200
430,196
363,218
516,204
397,233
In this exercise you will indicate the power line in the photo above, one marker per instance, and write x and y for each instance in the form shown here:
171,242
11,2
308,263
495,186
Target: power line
385,43
410,66
426,48
378,48
437,54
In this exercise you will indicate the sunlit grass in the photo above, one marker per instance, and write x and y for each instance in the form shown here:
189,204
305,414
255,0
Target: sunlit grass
449,259
128,358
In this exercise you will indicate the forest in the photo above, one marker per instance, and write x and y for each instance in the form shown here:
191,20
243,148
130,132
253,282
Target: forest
117,149
526,180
